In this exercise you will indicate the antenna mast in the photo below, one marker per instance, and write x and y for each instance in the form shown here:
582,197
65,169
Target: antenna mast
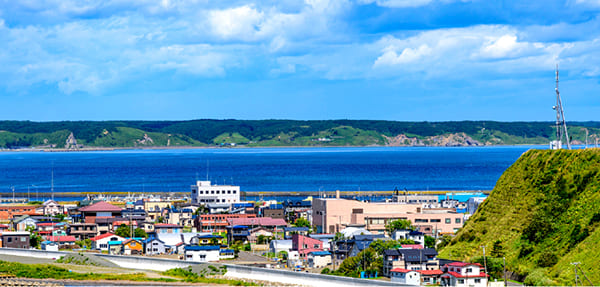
561,124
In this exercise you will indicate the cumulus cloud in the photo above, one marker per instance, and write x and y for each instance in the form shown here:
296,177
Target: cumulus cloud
240,22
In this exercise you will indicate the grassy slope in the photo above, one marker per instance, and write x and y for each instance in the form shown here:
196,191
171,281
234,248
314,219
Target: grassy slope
542,210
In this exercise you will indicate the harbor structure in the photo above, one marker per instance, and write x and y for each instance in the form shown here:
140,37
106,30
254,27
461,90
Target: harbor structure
204,192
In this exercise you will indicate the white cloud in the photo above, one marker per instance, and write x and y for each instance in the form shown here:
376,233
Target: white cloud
408,55
397,3
241,22
502,47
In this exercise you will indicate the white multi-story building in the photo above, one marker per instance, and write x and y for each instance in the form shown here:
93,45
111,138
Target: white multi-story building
204,192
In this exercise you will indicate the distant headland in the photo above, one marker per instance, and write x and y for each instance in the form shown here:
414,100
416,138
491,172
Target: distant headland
108,135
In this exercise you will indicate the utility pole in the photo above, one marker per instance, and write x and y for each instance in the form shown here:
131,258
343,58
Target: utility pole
504,262
576,275
484,261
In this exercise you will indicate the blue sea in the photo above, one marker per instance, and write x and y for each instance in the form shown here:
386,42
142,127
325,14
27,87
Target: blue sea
258,169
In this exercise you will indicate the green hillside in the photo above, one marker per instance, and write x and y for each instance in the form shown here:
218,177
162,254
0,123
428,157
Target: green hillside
17,134
543,214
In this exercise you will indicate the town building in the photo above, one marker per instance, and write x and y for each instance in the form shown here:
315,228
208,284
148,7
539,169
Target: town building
411,259
204,192
406,234
132,247
201,253
101,242
83,231
216,222
167,228
405,276
8,212
99,209
304,244
271,224
461,274
16,239
430,277
22,222
318,259
51,207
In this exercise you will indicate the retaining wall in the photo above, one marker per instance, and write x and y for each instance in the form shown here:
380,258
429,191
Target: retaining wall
233,271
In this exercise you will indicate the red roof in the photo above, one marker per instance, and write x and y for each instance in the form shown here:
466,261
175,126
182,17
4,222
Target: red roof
3,226
430,272
401,270
100,206
102,236
462,264
263,221
66,238
458,275
47,224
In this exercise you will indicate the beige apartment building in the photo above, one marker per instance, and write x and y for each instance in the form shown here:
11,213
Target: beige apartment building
331,215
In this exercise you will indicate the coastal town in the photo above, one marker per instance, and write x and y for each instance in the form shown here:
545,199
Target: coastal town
321,235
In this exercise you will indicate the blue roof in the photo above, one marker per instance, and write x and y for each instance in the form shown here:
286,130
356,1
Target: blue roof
297,229
151,239
209,236
227,251
320,253
416,233
201,247
275,206
114,242
240,227
362,245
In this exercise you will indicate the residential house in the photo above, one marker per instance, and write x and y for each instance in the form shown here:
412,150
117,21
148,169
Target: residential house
52,208
154,208
237,233
411,259
99,209
271,224
101,242
405,276
258,231
47,245
295,209
181,216
277,246
226,254
46,228
407,234
274,211
430,277
289,231
115,247
304,244
22,222
202,253
16,239
216,222
318,259
154,246
167,228
206,239
461,274
132,247
63,242
83,231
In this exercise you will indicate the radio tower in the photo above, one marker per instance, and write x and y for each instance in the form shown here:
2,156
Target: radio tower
561,125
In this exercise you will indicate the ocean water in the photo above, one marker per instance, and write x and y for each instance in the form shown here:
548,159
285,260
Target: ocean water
258,169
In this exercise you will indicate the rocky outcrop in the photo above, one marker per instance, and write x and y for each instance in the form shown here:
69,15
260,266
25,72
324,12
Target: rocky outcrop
447,140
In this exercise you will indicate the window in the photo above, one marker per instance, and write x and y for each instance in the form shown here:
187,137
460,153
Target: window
23,239
461,281
457,220
234,191
188,256
212,192
316,246
155,249
469,270
448,220
436,220
9,239
477,280
229,192
421,220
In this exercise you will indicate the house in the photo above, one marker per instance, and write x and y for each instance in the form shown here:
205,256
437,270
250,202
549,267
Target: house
205,239
289,231
258,231
49,245
430,277
271,224
461,274
411,259
63,242
22,222
203,253
51,207
217,222
237,233
167,228
405,276
304,244
99,209
83,231
226,254
407,234
154,246
100,242
318,259
277,246
115,247
16,239
46,228
274,211
132,247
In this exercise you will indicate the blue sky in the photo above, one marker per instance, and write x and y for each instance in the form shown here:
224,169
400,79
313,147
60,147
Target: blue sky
407,60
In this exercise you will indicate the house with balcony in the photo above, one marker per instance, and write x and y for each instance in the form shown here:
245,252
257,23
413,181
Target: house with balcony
304,244
237,233
83,231
462,274
99,209
410,259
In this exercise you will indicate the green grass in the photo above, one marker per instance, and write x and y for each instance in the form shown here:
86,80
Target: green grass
545,211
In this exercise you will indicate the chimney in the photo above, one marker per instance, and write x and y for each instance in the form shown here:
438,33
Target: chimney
337,194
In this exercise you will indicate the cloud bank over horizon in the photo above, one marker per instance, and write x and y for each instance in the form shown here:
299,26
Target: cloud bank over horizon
314,59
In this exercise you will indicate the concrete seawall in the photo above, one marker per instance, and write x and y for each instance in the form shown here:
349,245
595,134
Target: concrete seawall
233,271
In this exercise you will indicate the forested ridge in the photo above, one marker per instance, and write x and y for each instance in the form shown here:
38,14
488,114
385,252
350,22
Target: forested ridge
281,132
